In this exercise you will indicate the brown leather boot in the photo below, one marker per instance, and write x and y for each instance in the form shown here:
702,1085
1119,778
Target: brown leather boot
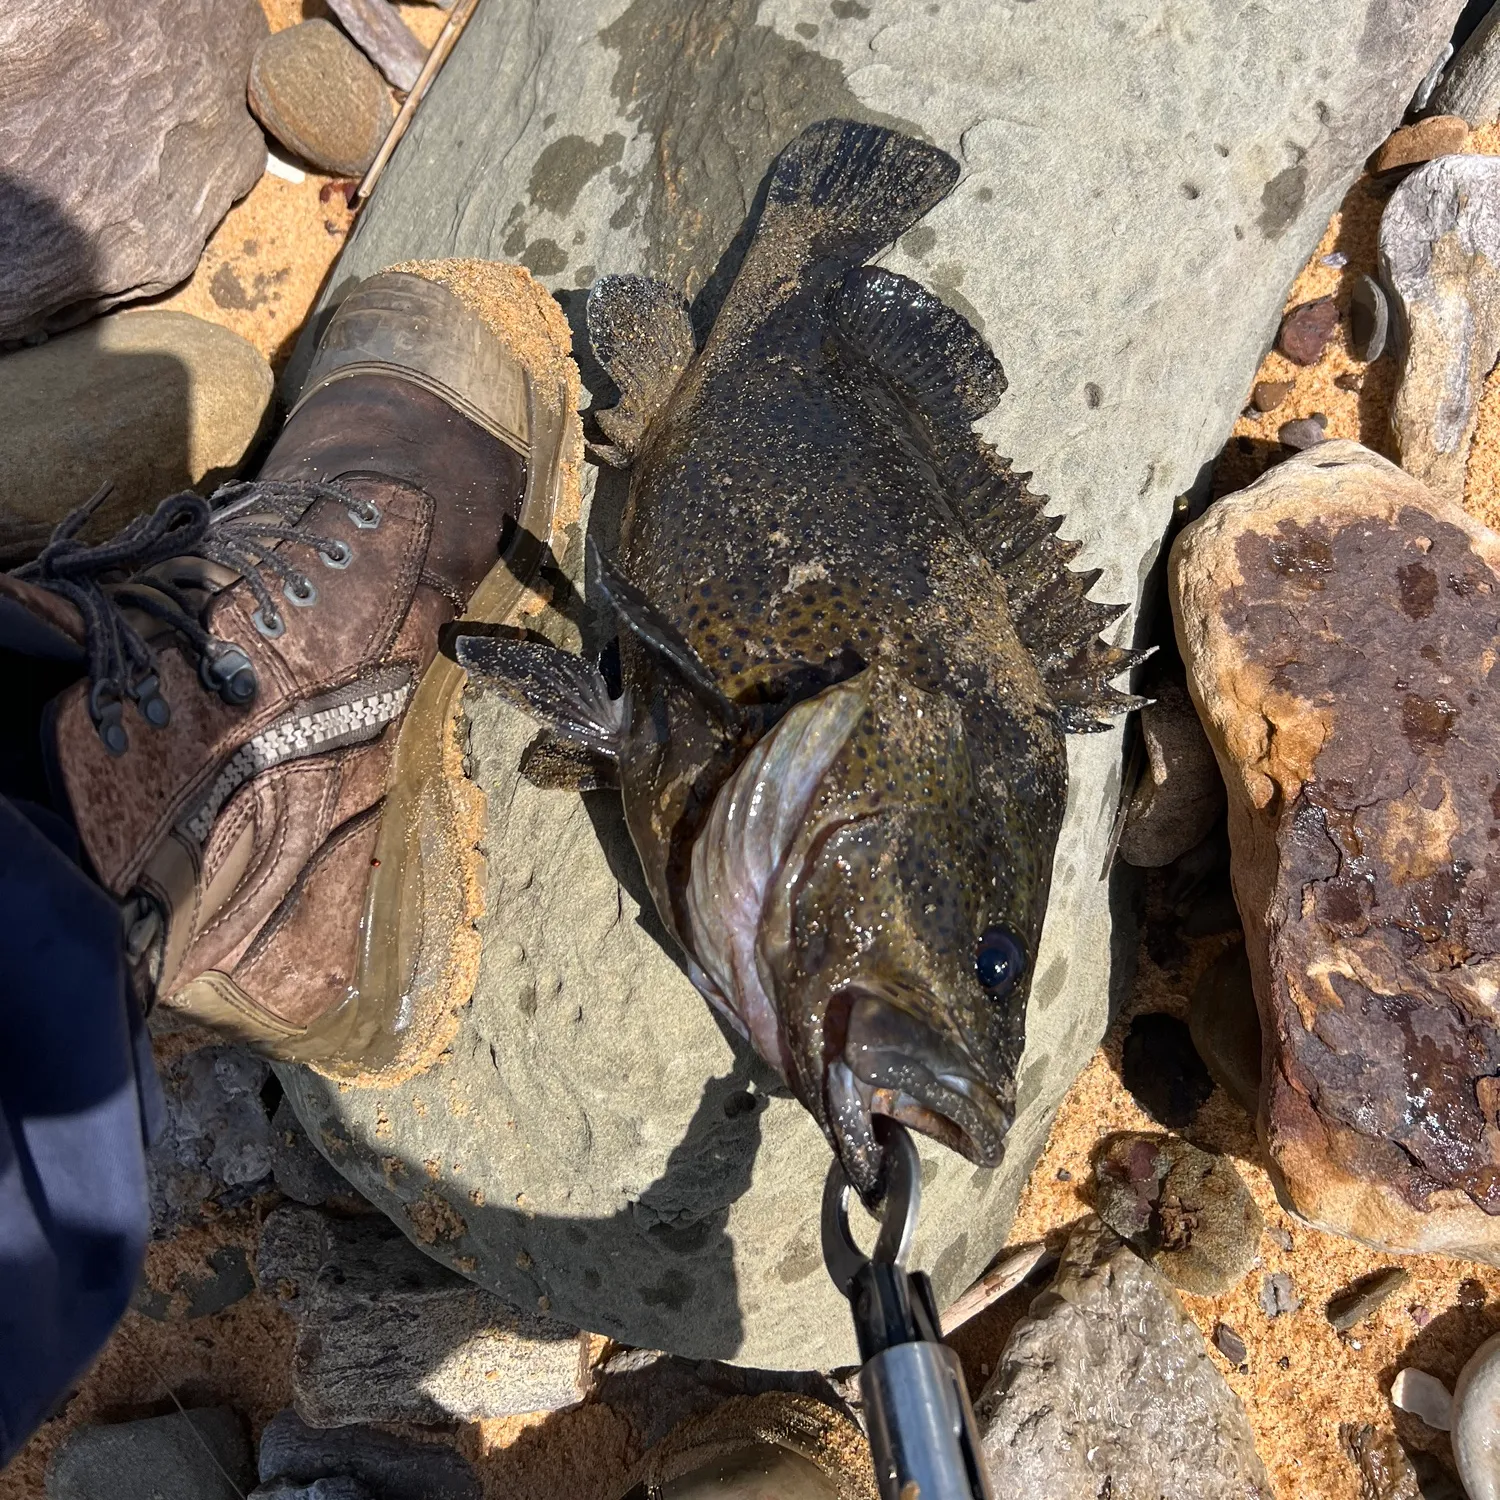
263,759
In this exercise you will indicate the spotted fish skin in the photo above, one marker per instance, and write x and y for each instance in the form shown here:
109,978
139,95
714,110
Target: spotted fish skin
852,650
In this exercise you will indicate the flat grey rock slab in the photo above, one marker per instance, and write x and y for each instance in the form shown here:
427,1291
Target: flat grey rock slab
390,1468
202,1455
385,1334
1141,182
301,1171
1107,1388
124,138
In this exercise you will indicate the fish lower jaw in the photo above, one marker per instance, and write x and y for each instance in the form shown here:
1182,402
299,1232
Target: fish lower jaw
978,1134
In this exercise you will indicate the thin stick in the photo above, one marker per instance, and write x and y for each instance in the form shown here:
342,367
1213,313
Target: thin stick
995,1283
458,18
161,1380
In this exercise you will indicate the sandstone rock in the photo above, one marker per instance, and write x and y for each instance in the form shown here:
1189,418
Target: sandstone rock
1440,257
655,1392
313,91
199,1291
662,1187
1471,85
215,1150
1180,796
301,1171
338,1488
1306,329
204,1455
123,141
387,1335
1225,1026
151,401
1476,1422
1338,621
1187,1211
389,1468
381,34
1108,1388
1437,135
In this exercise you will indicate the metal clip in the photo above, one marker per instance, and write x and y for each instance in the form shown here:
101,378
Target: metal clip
922,1432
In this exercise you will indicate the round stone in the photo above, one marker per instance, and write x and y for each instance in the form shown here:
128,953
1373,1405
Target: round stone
152,401
313,90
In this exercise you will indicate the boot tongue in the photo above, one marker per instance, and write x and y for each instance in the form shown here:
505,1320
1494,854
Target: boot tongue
196,577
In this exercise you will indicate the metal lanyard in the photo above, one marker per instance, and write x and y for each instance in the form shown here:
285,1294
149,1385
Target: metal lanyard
921,1426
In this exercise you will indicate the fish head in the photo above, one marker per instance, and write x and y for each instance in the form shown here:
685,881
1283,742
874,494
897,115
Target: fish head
867,895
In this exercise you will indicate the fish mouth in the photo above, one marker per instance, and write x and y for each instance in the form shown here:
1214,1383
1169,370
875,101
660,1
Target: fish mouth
893,1063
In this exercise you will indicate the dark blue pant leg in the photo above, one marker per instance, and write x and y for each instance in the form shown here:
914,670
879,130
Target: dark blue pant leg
76,1090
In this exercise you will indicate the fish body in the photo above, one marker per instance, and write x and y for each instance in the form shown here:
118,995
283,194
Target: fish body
852,650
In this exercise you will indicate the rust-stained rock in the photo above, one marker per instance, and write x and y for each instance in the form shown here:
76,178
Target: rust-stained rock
124,138
1340,625
1440,257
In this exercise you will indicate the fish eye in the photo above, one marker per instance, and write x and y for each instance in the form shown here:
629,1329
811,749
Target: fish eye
999,960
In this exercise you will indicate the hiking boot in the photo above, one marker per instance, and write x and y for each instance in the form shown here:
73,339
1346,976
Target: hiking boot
776,1446
263,758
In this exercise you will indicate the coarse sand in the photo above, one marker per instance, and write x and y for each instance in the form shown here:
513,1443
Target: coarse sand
260,274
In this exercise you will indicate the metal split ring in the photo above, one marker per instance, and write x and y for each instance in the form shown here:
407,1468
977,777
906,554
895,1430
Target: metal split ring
898,1219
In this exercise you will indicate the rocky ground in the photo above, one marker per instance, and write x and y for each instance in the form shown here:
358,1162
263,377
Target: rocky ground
219,1322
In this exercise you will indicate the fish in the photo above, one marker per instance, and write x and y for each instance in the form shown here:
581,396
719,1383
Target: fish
851,647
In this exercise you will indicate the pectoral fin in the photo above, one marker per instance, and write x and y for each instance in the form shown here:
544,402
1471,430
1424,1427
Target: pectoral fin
663,639
560,690
642,335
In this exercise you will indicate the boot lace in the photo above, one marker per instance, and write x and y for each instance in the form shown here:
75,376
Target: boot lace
238,527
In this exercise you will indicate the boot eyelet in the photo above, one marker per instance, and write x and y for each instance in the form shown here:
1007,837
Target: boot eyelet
338,555
271,628
366,516
300,591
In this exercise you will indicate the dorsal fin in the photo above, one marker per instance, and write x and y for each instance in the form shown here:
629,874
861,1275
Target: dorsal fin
928,351
641,334
862,185
946,375
1056,620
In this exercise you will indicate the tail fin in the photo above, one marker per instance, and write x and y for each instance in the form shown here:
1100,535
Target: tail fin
866,185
